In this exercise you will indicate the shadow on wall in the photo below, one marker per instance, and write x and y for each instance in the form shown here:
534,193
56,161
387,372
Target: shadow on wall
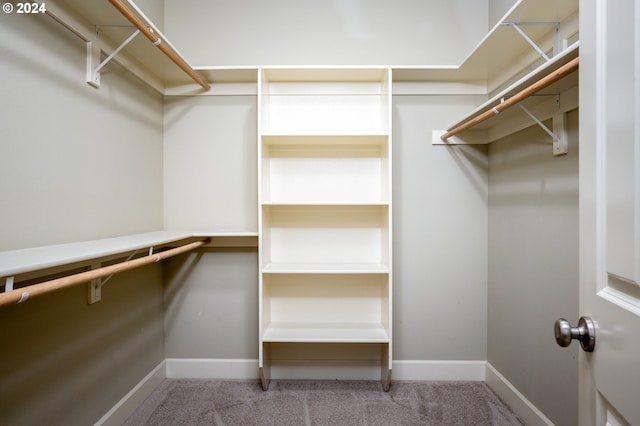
65,361
541,177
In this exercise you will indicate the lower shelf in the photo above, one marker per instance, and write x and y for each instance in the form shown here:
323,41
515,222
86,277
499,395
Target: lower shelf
326,268
325,333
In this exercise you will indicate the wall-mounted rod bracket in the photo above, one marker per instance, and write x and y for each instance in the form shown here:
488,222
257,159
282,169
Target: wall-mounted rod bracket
94,287
20,295
559,132
140,21
531,90
516,26
93,57
8,283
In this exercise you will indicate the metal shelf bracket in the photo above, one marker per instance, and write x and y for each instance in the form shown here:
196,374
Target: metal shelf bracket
559,131
93,57
516,26
8,283
94,287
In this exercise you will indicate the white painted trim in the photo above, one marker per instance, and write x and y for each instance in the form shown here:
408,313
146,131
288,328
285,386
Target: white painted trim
404,370
514,399
245,369
477,87
136,396
438,370
188,368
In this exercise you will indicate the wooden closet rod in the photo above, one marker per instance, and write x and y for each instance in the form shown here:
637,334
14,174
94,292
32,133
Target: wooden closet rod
20,295
164,47
556,75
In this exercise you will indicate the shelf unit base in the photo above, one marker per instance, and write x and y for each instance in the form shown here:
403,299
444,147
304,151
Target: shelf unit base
312,362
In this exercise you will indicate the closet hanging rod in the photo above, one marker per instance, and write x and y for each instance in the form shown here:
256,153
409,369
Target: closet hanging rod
20,295
546,81
166,48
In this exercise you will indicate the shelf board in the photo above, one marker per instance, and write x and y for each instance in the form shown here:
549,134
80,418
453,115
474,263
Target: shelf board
270,139
214,234
116,28
325,74
487,58
548,67
15,262
326,136
325,333
325,206
294,203
230,239
325,268
228,75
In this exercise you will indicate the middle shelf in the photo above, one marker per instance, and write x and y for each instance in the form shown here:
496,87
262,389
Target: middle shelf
326,308
325,169
325,237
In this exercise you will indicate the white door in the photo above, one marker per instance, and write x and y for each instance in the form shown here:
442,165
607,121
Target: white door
610,209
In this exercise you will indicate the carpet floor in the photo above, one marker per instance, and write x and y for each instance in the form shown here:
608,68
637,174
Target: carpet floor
301,402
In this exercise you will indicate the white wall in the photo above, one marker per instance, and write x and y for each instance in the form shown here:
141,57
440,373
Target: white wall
154,10
533,267
211,305
440,235
210,165
497,9
311,32
440,238
440,207
64,362
78,163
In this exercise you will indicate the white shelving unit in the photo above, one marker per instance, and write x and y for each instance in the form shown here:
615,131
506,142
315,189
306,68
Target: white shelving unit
325,209
502,49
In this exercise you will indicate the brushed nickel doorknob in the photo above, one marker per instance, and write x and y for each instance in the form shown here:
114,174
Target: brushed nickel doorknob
585,332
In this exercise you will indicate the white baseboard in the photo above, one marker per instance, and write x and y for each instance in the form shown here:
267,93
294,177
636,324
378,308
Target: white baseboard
248,369
516,401
404,370
439,370
132,400
188,368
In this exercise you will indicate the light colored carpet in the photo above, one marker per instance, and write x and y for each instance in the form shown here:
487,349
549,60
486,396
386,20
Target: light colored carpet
290,402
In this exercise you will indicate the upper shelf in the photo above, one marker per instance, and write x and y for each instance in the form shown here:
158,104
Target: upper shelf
485,62
98,19
325,74
545,69
14,262
497,50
